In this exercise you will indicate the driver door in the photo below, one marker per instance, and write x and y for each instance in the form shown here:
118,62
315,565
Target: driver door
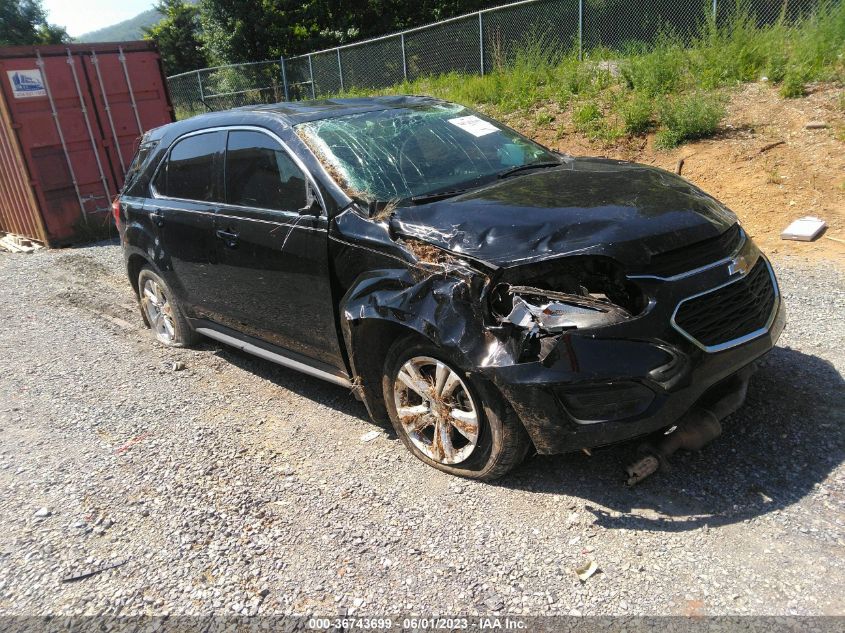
272,264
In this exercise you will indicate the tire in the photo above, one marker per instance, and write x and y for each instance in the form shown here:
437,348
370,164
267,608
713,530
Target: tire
499,443
162,312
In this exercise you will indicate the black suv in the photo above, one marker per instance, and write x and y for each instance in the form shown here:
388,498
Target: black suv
486,295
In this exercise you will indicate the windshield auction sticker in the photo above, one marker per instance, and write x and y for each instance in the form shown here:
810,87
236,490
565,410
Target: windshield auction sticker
474,125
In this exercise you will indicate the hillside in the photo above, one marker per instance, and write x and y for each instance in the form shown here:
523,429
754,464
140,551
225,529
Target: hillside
131,29
763,163
756,113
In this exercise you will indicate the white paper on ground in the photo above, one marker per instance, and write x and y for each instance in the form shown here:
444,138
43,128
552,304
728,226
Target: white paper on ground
804,229
474,125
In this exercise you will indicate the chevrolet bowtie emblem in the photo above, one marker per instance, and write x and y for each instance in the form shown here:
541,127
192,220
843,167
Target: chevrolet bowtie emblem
739,266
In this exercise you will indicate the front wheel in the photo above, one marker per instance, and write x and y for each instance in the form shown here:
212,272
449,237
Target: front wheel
448,420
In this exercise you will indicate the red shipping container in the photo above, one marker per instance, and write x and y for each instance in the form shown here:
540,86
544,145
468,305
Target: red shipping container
71,117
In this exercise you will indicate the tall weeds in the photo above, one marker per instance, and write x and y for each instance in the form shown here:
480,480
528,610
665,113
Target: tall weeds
671,84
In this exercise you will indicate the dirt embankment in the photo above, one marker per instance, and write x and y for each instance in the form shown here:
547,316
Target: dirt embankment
766,165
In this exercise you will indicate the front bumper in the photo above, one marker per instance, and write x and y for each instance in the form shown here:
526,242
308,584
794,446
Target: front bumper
604,386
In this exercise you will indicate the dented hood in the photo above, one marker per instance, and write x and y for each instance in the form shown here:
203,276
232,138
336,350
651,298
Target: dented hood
587,206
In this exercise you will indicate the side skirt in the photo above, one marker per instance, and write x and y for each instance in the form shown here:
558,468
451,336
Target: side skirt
277,355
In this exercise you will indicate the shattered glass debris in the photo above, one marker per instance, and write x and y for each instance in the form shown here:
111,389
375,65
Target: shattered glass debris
409,152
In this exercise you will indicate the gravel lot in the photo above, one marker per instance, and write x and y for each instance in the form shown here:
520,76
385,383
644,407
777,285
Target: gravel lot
236,486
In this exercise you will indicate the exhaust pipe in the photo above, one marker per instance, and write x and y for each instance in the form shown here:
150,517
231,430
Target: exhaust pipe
700,426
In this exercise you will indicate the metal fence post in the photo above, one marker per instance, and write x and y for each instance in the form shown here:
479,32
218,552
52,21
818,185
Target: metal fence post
339,69
284,77
404,61
481,40
581,30
311,74
199,83
714,10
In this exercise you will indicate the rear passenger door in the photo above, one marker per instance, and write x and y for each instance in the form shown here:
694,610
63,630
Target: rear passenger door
187,190
272,271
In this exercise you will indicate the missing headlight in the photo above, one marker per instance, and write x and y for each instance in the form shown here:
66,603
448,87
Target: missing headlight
558,311
571,293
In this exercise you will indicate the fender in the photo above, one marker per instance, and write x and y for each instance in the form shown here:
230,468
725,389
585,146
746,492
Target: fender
384,305
139,240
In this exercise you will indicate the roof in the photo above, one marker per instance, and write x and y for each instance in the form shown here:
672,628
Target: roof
288,113
294,112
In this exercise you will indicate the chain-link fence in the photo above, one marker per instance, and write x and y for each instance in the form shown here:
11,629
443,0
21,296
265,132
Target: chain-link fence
226,87
476,43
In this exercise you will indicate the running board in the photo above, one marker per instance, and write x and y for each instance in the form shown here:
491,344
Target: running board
249,348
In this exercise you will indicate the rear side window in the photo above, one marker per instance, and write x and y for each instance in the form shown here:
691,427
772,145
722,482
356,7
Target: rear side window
190,172
136,167
259,173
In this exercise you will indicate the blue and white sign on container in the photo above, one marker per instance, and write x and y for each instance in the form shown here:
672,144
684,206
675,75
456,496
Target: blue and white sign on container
26,83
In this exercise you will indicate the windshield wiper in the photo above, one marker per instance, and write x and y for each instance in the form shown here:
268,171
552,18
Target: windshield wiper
437,195
519,168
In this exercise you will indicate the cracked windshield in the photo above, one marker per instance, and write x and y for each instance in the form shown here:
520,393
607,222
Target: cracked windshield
417,152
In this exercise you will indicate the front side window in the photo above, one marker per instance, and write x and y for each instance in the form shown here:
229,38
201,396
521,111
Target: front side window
260,174
190,172
401,153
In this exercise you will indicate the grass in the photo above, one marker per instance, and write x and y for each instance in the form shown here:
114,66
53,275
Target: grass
637,114
587,117
792,86
687,118
672,87
774,178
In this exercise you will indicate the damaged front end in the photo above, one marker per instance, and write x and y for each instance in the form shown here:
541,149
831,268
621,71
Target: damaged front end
582,350
517,327
533,305
563,288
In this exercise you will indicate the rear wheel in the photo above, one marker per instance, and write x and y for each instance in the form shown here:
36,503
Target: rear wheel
448,420
162,312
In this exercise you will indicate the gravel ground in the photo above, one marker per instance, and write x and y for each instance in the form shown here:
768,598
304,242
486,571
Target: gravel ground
236,486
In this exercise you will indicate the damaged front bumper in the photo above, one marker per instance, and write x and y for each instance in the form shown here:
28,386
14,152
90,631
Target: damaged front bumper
610,384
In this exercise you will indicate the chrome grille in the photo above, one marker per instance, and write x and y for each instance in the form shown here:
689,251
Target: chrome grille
730,314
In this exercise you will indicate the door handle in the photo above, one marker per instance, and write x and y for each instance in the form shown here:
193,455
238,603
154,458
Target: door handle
229,237
157,217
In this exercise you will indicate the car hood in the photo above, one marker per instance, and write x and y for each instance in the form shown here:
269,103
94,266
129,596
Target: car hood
587,206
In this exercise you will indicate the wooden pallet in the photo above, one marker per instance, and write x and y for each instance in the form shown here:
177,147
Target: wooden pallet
18,243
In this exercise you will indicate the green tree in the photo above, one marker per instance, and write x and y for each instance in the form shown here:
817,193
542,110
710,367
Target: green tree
237,31
177,36
24,22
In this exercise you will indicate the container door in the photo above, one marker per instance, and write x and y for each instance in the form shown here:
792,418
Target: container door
58,130
77,113
130,97
18,208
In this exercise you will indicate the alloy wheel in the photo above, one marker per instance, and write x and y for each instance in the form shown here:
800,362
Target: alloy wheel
159,311
436,410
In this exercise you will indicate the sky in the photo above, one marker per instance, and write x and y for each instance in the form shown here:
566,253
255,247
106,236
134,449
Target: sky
82,16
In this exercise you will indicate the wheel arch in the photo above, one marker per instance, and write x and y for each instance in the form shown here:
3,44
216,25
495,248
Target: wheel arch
134,263
384,305
368,341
